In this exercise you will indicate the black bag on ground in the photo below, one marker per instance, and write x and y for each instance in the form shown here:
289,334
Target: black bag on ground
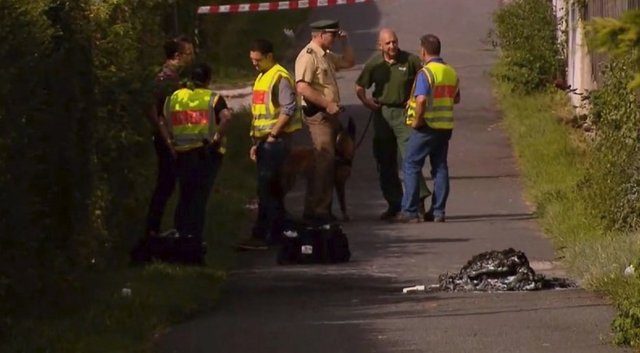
313,244
169,247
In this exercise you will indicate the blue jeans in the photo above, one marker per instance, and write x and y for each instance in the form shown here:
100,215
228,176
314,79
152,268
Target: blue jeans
271,211
426,142
390,136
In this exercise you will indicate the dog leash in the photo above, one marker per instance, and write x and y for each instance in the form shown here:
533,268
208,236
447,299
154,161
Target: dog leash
366,128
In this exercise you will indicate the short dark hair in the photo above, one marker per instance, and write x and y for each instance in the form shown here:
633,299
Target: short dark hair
262,46
175,46
201,74
431,44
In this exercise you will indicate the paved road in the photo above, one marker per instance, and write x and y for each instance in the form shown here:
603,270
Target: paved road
359,306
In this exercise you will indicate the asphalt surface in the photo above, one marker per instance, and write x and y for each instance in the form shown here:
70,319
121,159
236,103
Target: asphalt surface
359,306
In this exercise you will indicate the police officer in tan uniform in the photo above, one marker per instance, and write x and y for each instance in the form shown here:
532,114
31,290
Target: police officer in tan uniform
315,76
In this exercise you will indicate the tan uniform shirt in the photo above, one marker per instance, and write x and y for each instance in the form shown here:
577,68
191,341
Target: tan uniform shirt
318,68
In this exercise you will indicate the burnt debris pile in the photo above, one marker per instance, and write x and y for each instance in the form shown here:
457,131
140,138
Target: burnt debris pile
506,270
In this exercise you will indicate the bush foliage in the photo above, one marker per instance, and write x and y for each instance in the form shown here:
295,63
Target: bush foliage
525,32
613,179
77,163
612,184
73,146
620,37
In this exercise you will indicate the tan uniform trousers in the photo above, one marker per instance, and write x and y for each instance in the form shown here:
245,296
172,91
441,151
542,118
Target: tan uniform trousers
323,129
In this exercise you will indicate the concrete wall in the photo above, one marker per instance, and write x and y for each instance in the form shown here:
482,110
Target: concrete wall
580,76
583,68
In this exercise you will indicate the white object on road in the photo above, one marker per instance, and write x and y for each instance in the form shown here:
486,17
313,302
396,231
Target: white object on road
419,288
126,292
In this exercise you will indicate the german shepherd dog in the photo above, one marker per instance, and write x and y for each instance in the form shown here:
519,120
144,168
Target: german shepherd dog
301,161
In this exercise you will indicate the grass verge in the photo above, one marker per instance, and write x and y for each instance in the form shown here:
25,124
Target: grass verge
102,319
553,158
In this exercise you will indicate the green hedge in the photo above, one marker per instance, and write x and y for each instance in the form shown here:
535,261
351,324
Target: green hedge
612,184
75,157
77,165
613,179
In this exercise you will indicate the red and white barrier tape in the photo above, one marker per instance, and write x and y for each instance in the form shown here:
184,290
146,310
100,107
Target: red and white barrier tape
274,6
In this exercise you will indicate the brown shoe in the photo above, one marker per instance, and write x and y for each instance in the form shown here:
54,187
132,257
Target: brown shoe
403,218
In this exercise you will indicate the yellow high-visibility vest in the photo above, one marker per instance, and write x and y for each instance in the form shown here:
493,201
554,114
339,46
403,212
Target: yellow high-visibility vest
443,81
189,115
265,113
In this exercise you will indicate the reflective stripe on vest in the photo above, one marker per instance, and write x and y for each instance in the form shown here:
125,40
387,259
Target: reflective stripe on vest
443,81
189,113
265,113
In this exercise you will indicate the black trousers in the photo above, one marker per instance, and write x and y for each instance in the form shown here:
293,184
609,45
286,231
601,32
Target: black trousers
271,210
165,184
197,170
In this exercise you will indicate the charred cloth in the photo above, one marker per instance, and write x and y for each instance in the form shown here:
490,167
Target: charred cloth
506,270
